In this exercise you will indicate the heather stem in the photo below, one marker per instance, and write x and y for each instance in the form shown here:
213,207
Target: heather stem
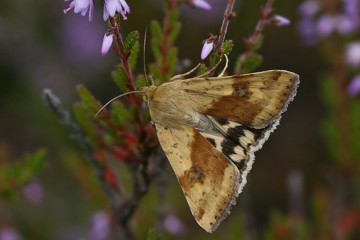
164,48
224,26
265,12
122,55
253,39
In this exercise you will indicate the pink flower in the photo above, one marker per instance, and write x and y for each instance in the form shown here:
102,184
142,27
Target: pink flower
326,25
173,225
113,6
344,25
9,234
34,192
309,8
81,6
106,44
207,48
202,5
353,88
353,54
281,21
100,226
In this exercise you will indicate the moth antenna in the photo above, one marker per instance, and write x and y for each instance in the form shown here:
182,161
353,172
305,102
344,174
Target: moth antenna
179,76
120,96
226,66
152,80
144,57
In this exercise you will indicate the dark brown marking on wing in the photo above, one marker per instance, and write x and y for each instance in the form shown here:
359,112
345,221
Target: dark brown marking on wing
236,108
276,75
211,141
242,107
208,164
205,159
237,104
222,121
199,214
193,175
242,90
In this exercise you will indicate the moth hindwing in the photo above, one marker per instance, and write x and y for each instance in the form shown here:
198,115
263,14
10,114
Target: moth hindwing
209,129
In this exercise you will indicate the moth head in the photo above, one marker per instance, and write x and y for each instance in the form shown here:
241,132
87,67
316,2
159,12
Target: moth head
149,91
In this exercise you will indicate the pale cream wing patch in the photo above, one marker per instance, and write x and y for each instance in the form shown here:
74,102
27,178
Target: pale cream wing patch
255,99
238,143
210,182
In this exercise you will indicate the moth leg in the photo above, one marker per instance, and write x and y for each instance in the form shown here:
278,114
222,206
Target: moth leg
226,66
210,70
182,76
214,67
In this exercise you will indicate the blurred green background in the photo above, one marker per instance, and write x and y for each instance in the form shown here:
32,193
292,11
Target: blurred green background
297,184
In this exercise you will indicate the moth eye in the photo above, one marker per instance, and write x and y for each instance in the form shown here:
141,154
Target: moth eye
145,98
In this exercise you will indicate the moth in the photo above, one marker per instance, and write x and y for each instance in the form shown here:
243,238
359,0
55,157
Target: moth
209,129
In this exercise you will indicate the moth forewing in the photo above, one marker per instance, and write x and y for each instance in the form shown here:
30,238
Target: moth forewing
209,129
209,181
254,99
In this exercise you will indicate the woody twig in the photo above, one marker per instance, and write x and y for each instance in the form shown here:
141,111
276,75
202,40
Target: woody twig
229,14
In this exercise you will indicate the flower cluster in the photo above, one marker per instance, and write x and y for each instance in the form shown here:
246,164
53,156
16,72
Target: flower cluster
268,18
316,24
81,6
111,8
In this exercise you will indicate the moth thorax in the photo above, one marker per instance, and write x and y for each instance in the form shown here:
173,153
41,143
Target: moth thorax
149,91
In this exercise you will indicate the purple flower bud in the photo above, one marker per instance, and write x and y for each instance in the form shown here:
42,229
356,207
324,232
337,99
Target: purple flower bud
281,21
353,88
202,5
352,54
106,43
207,48
111,7
81,6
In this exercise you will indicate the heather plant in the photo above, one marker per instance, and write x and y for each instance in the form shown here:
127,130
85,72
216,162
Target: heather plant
125,189
124,133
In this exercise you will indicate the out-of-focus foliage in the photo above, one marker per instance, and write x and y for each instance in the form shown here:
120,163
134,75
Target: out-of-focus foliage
15,175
